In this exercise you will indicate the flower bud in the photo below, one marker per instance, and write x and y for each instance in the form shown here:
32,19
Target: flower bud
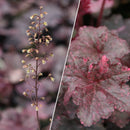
33,70
51,54
24,50
41,7
38,18
33,77
31,17
40,74
52,79
47,41
25,66
37,25
30,27
40,40
32,105
24,93
36,58
35,35
43,98
21,80
45,23
36,108
45,13
32,22
43,62
23,61
28,71
37,51
41,15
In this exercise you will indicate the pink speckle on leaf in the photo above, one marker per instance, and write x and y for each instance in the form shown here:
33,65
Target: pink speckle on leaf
103,65
85,60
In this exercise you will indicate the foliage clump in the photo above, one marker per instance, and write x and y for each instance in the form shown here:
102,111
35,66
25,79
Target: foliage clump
95,77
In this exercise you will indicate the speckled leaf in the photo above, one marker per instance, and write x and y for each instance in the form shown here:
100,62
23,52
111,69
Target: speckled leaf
97,94
95,42
95,77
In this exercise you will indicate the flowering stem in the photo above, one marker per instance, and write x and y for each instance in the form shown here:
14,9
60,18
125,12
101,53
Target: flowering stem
36,39
38,120
36,92
36,73
101,13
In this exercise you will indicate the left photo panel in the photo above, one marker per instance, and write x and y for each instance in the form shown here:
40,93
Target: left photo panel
34,38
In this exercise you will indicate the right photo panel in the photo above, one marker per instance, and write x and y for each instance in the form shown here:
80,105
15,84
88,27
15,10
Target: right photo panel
94,91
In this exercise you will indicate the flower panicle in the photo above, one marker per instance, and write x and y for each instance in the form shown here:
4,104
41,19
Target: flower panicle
36,38
36,41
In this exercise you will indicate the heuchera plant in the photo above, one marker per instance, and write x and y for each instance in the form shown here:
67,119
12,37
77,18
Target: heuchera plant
37,40
95,77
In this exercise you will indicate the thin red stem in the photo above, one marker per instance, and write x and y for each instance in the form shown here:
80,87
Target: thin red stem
101,13
36,92
36,81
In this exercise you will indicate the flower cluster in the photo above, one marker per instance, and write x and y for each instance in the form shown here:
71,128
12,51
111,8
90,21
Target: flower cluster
37,40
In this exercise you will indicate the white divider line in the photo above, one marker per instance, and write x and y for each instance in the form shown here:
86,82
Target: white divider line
64,65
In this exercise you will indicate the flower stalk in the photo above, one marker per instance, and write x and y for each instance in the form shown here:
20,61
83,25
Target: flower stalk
101,13
37,40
